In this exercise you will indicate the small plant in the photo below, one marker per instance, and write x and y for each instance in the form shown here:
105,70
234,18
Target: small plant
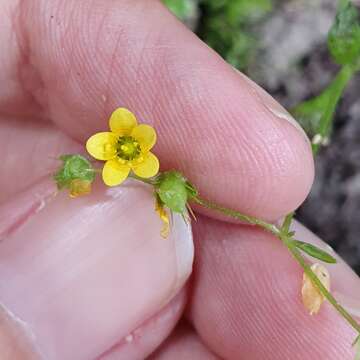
125,149
226,25
316,115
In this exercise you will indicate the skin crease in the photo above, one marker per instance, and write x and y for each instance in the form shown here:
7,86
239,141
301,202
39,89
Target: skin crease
64,67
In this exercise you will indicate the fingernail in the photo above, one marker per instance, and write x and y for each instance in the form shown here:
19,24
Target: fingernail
83,273
271,105
15,339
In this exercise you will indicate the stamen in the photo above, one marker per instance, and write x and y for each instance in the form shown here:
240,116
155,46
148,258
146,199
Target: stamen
128,148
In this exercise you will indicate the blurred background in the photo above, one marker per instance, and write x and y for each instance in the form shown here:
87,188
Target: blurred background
281,44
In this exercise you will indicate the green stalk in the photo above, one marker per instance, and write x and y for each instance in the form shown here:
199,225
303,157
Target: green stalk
287,222
237,215
336,89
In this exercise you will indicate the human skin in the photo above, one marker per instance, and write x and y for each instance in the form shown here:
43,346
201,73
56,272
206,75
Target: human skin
91,278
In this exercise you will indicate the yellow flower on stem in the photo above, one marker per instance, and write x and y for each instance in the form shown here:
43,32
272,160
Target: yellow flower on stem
126,147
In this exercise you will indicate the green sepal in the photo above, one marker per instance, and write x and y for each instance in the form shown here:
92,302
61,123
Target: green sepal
74,167
314,251
344,35
191,190
174,190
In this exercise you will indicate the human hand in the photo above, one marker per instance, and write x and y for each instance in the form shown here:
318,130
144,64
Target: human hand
91,278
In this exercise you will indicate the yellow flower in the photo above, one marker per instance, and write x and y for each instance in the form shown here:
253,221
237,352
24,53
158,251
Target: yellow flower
127,147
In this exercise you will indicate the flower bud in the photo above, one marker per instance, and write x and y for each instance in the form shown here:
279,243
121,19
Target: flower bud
76,174
174,191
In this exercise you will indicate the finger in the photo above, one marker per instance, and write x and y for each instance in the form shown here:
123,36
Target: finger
143,340
14,339
29,151
253,303
239,146
84,274
183,344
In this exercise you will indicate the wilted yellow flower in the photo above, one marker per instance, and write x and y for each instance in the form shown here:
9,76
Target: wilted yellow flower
127,147
79,187
161,211
311,296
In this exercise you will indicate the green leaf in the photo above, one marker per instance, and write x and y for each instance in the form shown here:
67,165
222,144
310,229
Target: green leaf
229,27
314,251
344,35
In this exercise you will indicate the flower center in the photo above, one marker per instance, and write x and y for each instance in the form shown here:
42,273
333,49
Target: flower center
128,148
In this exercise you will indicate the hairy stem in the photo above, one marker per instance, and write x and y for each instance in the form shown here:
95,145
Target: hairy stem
237,215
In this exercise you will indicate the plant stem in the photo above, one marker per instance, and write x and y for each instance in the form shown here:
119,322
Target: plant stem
287,222
282,234
146,181
237,215
336,88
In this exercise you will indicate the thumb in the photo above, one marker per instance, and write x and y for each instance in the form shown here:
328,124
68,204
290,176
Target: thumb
83,274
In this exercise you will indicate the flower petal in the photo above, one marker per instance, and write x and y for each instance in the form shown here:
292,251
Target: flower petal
122,121
148,168
114,173
145,135
102,146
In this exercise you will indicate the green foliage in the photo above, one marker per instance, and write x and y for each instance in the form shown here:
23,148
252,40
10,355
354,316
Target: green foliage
239,11
227,26
309,113
316,115
314,251
183,9
344,35
174,190
74,167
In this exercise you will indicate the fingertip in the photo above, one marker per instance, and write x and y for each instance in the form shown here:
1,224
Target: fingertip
234,144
